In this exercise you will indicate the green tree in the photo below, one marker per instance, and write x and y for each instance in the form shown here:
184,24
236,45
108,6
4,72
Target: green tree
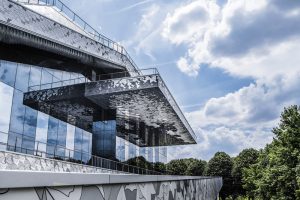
139,161
188,167
276,175
177,167
221,165
195,167
242,162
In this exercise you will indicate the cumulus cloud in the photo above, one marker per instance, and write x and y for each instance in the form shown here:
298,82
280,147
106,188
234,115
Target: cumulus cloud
257,39
246,38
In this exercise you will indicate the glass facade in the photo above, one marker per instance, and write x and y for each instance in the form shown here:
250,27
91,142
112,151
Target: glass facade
24,129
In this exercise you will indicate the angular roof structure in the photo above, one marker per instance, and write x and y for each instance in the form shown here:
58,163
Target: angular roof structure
145,111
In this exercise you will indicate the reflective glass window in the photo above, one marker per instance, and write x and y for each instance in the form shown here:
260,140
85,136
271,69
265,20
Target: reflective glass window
17,113
70,140
30,121
78,139
46,79
8,72
14,142
27,145
132,150
41,131
52,130
35,76
22,78
86,141
62,133
150,154
156,151
6,97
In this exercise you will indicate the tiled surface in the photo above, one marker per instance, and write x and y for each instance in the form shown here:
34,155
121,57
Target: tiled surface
23,18
202,189
15,161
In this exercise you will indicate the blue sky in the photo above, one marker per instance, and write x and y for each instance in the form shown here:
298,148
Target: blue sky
231,65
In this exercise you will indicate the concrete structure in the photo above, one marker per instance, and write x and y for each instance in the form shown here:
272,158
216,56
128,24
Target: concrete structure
72,100
106,187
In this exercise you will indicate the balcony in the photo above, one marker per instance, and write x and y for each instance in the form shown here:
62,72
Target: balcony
145,111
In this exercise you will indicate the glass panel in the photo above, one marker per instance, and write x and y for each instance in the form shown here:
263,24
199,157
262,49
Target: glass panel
70,139
42,127
41,132
57,74
85,141
156,150
30,122
150,154
132,150
8,72
52,130
17,114
35,76
120,148
6,97
46,79
78,139
22,77
27,145
62,133
50,150
3,138
14,142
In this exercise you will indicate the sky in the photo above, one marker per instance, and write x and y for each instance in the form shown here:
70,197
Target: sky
232,65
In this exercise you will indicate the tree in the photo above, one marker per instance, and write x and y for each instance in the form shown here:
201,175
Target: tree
195,167
160,167
188,167
221,165
177,167
242,162
140,162
276,175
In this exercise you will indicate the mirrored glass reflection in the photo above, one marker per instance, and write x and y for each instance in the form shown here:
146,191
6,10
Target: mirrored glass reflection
17,113
8,72
6,93
22,77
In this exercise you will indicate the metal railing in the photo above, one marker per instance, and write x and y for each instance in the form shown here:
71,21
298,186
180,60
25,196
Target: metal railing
120,75
124,74
82,24
73,156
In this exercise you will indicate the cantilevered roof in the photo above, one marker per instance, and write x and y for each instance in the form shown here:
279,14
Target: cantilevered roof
21,24
146,112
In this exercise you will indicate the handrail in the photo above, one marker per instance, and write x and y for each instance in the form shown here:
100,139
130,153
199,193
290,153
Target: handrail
73,81
94,161
125,74
79,22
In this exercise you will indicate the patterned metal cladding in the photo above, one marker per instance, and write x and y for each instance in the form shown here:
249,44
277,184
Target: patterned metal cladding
15,161
23,19
142,101
199,189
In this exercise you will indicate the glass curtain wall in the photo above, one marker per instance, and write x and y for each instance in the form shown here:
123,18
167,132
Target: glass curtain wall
126,150
24,129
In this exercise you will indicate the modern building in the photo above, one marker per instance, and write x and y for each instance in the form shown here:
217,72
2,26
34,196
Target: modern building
69,93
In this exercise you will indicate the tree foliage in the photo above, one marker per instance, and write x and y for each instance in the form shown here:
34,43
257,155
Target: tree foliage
221,165
276,175
188,167
242,162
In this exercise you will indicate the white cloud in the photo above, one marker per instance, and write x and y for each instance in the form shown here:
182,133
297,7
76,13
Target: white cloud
241,119
257,39
245,38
